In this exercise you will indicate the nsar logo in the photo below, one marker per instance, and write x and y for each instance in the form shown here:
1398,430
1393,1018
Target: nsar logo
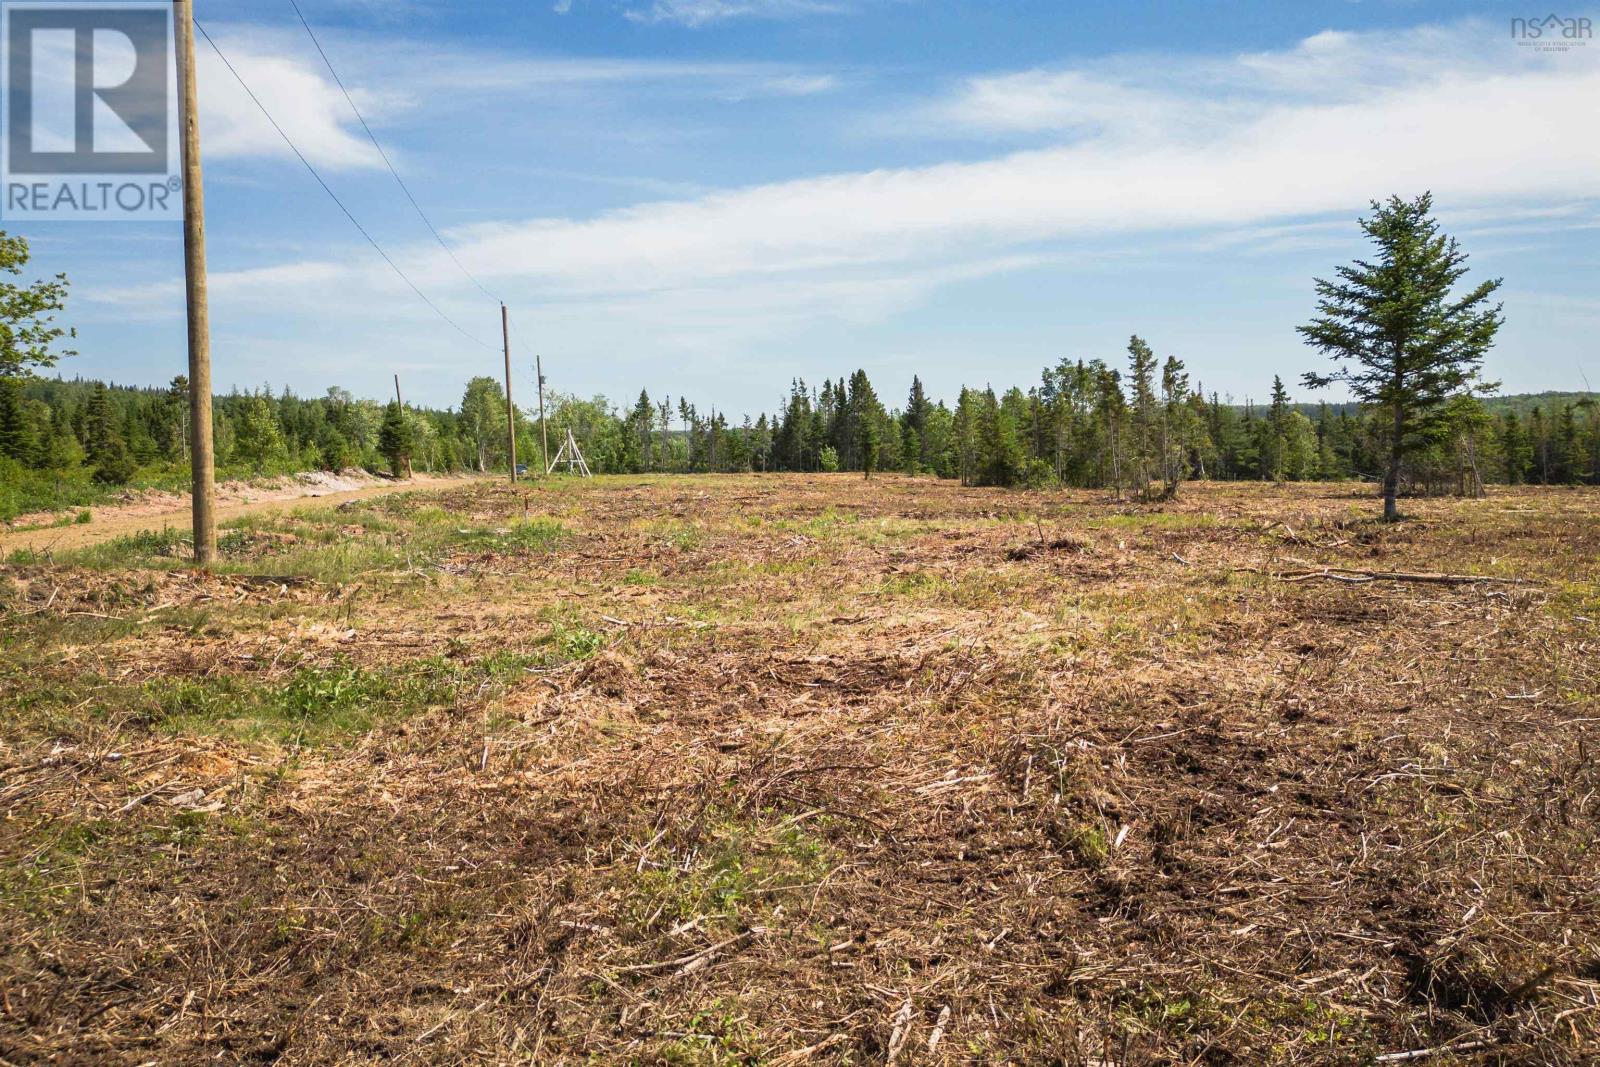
1552,33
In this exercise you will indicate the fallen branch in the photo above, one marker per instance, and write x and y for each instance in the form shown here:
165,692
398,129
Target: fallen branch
938,1029
1357,577
900,1032
694,960
1424,1053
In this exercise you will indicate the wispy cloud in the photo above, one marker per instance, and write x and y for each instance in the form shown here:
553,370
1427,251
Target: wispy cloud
293,85
1259,148
1476,137
702,12
1142,96
301,98
452,75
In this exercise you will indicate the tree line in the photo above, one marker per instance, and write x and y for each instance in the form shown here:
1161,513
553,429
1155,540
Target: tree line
1404,342
1138,429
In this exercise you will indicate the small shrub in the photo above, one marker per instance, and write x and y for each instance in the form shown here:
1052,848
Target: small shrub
576,643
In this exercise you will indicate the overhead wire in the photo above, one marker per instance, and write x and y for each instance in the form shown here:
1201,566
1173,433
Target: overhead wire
385,156
331,194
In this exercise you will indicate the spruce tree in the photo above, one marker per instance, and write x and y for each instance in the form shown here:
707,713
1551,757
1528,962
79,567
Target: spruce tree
1404,342
16,438
1000,459
869,442
1110,420
643,416
104,445
1275,443
1572,459
1174,425
96,420
914,432
394,440
964,433
1515,452
1141,380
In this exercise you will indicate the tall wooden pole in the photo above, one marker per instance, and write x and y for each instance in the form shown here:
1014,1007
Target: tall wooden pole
401,404
202,457
544,435
511,416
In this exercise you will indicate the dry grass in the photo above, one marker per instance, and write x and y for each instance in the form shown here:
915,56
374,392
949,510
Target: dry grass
785,770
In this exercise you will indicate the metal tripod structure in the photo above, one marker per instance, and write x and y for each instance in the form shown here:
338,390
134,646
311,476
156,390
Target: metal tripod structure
572,455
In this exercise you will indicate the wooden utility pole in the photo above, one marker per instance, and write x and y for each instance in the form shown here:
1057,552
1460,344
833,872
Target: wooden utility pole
202,457
511,417
401,404
544,435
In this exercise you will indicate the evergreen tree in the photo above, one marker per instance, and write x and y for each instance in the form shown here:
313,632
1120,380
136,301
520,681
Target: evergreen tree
1142,413
1404,341
1176,433
257,438
395,441
869,443
915,426
640,432
104,445
938,445
100,436
1539,445
1516,453
964,436
1000,458
860,419
1571,458
1110,421
178,407
16,436
910,451
1275,435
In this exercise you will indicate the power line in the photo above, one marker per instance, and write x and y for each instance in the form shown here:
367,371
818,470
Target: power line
331,194
520,339
385,156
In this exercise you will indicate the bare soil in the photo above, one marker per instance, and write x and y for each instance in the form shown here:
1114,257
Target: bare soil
154,509
780,770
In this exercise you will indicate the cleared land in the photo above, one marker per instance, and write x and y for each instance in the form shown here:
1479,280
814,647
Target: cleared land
809,769
52,532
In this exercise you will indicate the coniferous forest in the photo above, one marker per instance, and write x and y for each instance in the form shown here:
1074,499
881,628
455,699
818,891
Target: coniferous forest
1139,427
1139,424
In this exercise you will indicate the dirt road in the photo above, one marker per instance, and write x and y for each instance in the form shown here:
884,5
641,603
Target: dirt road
121,520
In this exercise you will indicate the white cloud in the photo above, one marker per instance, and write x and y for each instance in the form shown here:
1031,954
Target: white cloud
289,80
1249,149
1193,97
702,12
1478,140
442,76
799,84
303,101
1040,100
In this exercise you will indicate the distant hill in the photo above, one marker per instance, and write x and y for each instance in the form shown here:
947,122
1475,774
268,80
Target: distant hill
1521,403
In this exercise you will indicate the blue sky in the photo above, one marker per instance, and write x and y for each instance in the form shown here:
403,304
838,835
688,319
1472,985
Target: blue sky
710,197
